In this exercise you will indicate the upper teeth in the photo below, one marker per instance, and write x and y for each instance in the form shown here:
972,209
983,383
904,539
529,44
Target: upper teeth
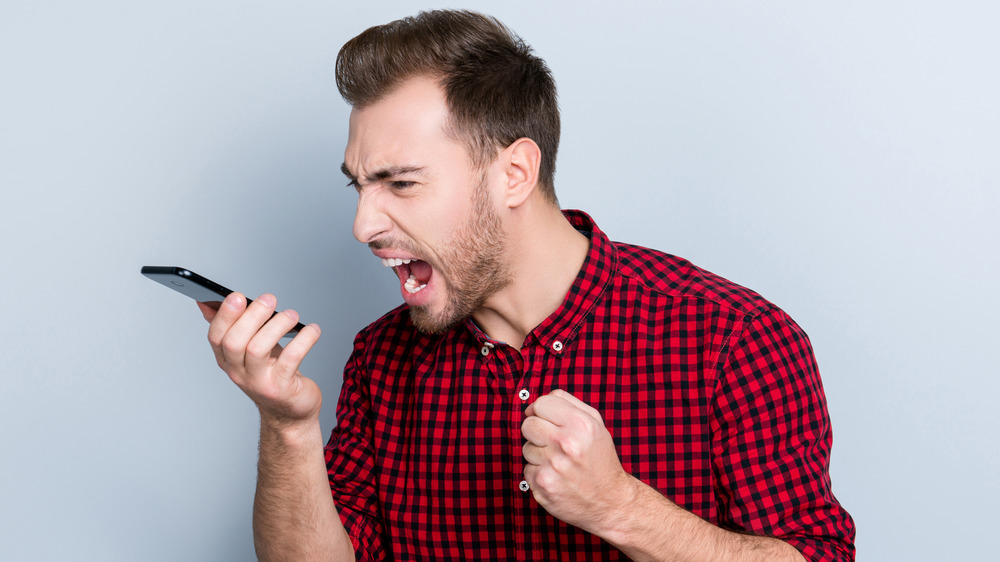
393,262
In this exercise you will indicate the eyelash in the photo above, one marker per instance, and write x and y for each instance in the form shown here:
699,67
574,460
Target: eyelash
393,184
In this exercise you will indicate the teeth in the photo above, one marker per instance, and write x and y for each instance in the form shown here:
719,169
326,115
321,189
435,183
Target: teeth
411,285
394,262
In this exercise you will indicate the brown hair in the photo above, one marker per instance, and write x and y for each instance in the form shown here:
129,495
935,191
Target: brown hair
497,90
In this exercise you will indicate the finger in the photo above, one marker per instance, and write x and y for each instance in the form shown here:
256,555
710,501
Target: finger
531,477
533,454
262,345
578,403
555,408
530,470
209,310
297,349
230,310
538,431
234,343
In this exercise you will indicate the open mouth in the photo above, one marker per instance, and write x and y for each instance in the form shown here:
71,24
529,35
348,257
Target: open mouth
413,273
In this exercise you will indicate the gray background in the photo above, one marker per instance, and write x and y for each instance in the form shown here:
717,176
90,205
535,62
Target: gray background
840,158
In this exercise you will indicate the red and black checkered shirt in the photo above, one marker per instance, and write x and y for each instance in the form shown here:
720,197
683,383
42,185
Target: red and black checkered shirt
710,392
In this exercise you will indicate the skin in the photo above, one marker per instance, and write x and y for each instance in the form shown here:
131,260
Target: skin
415,186
575,474
294,515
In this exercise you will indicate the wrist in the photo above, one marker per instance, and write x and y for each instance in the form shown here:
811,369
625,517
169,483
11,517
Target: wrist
620,522
290,434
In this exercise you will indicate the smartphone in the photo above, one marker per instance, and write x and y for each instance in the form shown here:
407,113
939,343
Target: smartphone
201,289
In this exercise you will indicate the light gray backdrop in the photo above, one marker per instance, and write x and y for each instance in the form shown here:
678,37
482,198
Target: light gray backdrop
840,158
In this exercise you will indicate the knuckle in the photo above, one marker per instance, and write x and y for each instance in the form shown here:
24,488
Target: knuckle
257,349
231,347
585,427
571,447
214,339
545,479
561,464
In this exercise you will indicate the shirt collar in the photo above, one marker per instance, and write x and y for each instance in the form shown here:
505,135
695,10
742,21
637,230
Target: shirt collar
557,332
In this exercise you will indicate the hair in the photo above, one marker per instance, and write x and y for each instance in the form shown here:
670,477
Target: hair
496,89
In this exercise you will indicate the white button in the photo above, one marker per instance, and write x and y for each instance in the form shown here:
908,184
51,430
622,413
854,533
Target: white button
485,350
524,394
523,485
557,346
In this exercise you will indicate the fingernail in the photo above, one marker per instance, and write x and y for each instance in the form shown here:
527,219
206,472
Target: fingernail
267,300
292,314
233,301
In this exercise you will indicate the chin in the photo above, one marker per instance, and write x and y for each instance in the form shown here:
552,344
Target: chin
429,323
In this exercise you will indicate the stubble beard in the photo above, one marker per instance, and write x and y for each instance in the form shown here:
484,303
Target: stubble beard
472,266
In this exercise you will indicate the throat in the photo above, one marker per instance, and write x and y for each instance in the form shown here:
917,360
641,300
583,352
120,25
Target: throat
421,270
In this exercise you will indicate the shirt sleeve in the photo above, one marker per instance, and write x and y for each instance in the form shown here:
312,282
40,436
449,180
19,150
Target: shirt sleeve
771,442
350,462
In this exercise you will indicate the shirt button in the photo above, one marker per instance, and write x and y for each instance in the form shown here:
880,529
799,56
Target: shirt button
523,485
557,346
485,350
524,394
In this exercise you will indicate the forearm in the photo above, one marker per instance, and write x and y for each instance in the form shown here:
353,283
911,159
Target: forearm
650,527
294,515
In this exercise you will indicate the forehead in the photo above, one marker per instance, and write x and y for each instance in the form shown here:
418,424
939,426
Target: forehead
405,128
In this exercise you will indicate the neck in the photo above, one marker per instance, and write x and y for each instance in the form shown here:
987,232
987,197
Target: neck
545,255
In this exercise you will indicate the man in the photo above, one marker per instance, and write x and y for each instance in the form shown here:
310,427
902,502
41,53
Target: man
543,393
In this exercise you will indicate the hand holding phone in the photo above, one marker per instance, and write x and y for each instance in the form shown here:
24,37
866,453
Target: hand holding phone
201,289
244,336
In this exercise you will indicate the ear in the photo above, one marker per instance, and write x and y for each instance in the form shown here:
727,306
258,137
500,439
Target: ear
521,161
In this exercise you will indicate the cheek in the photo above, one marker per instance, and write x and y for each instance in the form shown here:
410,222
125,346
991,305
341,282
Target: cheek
438,219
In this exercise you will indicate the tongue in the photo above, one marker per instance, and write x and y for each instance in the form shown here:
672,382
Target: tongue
421,270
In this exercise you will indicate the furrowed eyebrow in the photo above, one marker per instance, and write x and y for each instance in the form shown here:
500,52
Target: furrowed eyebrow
384,173
393,171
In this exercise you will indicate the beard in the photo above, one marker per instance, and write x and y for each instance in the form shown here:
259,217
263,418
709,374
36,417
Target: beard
472,267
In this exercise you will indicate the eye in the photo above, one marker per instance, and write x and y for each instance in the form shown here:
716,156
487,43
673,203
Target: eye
401,184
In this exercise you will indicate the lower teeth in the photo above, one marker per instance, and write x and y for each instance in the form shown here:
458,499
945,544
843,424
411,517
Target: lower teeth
411,285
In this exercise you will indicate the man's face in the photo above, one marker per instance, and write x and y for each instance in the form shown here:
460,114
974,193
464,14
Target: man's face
423,208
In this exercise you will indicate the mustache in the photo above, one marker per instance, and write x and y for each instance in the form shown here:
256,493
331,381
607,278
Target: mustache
386,243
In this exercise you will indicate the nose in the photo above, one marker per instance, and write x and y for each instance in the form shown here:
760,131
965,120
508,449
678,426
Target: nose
370,220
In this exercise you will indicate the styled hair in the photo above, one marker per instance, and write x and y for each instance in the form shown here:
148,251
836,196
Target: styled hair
497,91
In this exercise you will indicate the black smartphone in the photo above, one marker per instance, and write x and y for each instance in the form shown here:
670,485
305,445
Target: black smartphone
199,288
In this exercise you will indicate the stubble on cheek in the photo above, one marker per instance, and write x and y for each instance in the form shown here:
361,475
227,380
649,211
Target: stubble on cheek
472,267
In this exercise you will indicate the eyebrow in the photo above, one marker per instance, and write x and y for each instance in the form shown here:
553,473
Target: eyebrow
383,173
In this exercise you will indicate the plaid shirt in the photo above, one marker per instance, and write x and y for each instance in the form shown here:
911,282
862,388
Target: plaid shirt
711,395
